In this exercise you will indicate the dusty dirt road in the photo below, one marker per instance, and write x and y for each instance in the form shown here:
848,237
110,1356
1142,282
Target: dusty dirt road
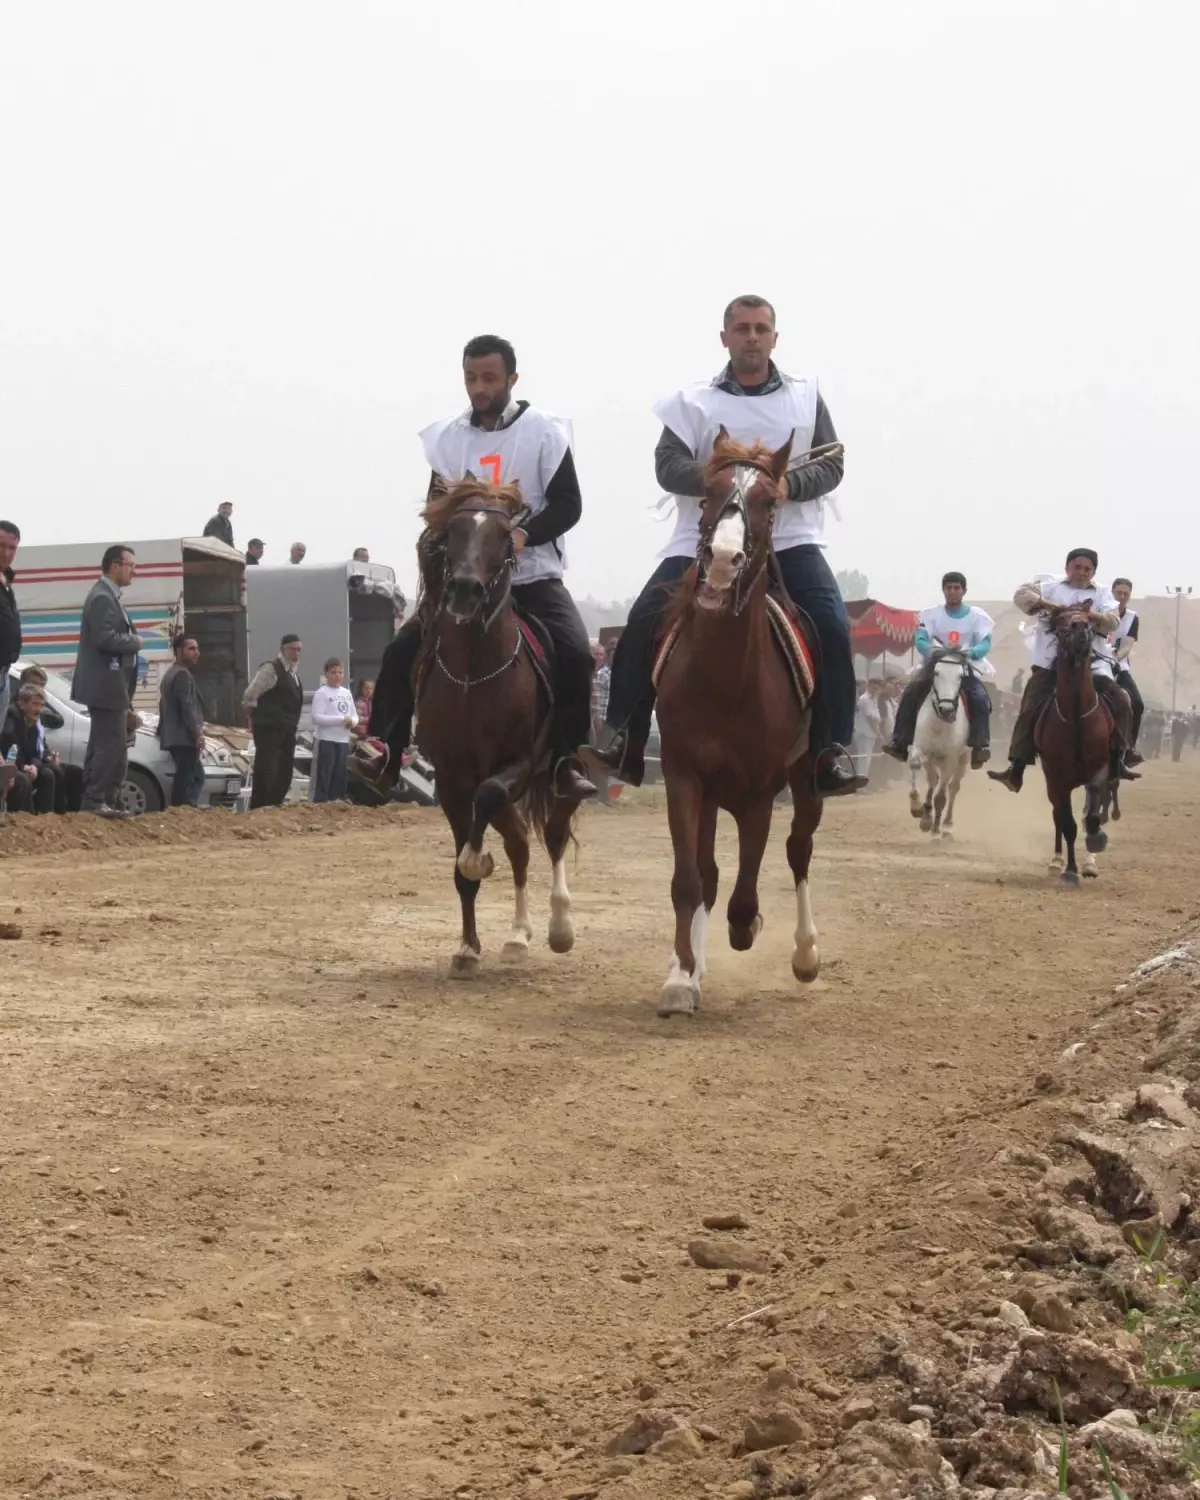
287,1212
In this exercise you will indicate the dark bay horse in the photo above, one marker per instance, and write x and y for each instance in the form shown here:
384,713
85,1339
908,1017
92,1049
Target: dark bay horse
482,716
1073,742
732,729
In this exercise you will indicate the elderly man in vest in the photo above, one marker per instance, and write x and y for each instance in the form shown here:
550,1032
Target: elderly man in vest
755,402
506,441
105,669
274,700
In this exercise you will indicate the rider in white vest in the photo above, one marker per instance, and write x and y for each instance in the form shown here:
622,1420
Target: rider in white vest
1122,642
755,402
952,626
503,440
1079,589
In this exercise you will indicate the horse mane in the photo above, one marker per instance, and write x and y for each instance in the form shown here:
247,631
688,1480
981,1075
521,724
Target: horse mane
728,452
444,500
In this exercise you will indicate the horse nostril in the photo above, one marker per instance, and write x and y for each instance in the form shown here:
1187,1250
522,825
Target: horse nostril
738,560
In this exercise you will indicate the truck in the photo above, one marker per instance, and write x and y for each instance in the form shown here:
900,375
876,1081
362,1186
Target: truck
182,583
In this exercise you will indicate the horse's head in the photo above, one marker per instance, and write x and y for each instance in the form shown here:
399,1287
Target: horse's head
949,669
1073,628
471,525
743,486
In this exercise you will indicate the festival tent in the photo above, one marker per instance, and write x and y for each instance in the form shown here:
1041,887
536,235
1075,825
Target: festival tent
880,630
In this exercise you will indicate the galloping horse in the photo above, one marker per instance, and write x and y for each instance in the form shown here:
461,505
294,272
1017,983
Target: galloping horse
733,729
940,745
482,716
1072,739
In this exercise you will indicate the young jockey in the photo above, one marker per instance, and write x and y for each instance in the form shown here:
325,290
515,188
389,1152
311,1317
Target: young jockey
1076,589
1123,640
504,440
957,627
755,402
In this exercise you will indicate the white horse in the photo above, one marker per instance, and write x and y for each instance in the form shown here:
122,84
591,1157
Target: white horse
940,746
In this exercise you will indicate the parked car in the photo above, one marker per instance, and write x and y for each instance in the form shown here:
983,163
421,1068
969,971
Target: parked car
147,785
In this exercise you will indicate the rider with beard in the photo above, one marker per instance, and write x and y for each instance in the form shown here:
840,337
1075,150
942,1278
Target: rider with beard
506,441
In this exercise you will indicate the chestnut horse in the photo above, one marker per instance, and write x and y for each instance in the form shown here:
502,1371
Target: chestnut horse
482,716
1072,739
732,730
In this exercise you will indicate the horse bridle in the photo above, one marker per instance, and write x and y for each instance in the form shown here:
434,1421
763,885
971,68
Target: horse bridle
738,503
947,708
503,574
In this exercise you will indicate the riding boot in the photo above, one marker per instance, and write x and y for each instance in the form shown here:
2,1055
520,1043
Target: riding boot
834,774
569,781
623,759
1012,776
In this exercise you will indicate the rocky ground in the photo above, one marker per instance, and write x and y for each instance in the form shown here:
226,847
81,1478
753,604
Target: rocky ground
286,1212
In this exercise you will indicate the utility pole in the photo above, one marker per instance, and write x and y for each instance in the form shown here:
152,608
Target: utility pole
1180,594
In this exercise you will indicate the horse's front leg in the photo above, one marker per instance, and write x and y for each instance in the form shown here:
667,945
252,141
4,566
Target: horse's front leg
931,776
745,918
1064,819
464,962
491,798
1096,840
558,836
681,993
952,791
914,796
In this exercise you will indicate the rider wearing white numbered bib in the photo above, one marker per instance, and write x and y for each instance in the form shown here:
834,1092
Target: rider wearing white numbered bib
1077,589
950,626
755,402
1122,642
506,441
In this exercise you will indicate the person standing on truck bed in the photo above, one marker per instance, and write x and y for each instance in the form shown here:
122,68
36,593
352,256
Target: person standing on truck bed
220,525
105,669
274,700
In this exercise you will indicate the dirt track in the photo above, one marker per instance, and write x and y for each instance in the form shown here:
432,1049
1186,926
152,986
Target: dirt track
287,1212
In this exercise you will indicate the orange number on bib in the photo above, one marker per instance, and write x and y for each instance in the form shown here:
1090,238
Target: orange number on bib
955,637
492,461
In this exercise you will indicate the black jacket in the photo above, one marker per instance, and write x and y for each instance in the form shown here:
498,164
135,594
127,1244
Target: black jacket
18,731
10,627
222,528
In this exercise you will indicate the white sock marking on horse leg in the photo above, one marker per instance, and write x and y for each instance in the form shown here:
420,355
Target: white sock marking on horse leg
682,991
562,929
806,959
522,929
699,939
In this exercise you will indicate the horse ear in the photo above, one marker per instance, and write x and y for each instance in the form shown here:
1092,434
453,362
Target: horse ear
469,478
722,437
779,459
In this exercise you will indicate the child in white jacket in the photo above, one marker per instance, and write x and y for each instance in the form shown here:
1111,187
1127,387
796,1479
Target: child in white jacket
334,715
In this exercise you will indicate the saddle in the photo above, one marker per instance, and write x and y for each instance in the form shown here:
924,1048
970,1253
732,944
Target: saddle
794,636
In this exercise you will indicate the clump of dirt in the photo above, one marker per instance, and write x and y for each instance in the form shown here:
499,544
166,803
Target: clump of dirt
26,834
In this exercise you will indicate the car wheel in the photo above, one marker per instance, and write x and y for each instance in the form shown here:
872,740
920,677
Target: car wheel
139,793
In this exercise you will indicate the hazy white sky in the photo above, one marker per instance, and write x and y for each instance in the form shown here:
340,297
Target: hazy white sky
242,244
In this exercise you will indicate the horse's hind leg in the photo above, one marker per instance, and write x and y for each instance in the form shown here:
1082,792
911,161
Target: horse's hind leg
931,776
914,796
952,791
806,815
745,919
706,863
464,963
558,836
681,993
939,803
511,827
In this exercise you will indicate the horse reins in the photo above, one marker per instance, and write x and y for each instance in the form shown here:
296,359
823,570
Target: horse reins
737,502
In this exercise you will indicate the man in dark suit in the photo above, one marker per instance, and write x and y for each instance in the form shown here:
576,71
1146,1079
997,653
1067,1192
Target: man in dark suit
221,525
10,615
104,673
181,722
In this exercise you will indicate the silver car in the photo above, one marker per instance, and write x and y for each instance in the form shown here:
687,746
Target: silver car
147,784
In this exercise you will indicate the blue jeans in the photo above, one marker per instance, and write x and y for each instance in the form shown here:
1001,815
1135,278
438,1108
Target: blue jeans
808,580
329,780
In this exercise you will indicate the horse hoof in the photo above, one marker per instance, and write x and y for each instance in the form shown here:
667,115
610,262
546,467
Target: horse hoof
947,836
741,939
475,866
678,998
1096,843
464,966
806,965
516,949
1070,877
1116,814
562,934
926,823
1090,872
915,811
1055,867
